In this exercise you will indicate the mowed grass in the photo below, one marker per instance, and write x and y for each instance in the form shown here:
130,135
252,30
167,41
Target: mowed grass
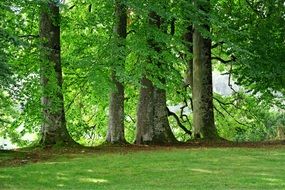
7,155
166,168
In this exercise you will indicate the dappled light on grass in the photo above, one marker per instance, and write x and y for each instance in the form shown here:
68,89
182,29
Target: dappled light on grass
60,185
212,168
204,171
272,180
61,177
279,154
92,180
52,163
5,177
263,174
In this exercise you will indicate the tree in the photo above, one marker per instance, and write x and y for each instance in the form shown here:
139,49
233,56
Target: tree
149,64
54,129
267,56
203,114
116,108
253,31
152,122
6,40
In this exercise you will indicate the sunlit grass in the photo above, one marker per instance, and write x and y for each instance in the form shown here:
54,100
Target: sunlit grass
214,168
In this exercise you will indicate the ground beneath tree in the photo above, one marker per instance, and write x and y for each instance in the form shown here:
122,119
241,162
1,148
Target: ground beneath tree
33,155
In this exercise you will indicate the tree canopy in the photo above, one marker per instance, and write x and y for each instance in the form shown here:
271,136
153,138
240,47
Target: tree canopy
127,64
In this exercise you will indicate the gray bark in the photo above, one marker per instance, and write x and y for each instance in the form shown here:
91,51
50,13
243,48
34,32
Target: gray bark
152,117
162,130
54,129
116,114
203,114
145,113
115,132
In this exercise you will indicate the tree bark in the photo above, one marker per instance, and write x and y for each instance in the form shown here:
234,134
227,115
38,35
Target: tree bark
188,40
54,129
162,130
152,125
116,113
145,113
116,107
203,115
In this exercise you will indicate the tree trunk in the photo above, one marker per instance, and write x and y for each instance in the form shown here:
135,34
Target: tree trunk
152,125
203,115
116,107
162,130
116,113
145,113
54,129
188,40
152,118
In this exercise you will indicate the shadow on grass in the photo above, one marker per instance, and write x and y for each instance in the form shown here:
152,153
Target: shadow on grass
215,168
34,178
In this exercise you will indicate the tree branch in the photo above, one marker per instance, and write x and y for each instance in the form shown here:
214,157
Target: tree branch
172,26
226,104
131,31
222,106
71,7
130,117
29,36
178,122
229,80
217,44
233,58
90,8
223,115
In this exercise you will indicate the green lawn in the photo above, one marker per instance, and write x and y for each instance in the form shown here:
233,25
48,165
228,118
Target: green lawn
195,168
6,155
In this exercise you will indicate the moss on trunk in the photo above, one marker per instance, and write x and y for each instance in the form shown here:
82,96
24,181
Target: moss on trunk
54,129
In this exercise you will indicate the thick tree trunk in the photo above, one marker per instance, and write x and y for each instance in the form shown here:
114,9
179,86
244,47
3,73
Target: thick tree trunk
145,113
203,115
116,108
152,118
152,125
116,113
54,124
162,130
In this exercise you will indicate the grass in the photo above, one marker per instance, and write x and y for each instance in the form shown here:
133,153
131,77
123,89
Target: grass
166,168
6,155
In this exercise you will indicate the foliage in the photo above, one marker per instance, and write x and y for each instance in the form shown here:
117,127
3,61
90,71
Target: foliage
250,31
239,118
19,91
253,31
